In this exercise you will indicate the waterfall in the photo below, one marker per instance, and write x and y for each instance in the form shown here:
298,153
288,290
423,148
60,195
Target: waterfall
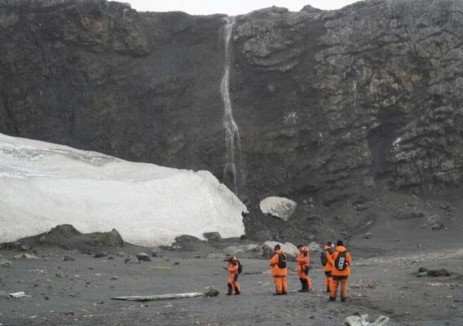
232,135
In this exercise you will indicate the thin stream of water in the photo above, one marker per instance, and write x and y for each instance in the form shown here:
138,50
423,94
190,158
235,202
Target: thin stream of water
232,135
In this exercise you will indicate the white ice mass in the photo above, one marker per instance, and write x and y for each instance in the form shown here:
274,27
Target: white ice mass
43,185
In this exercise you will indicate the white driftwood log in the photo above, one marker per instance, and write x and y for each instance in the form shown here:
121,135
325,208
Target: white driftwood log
206,292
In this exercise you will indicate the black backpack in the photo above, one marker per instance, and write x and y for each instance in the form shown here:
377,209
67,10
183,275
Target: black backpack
341,262
323,258
281,261
240,267
306,270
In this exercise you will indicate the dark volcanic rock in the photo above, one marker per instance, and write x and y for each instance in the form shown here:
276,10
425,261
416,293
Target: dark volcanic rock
186,242
422,271
330,105
67,237
213,236
143,257
98,75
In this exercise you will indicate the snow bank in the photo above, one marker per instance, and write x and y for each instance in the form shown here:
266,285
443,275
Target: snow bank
43,185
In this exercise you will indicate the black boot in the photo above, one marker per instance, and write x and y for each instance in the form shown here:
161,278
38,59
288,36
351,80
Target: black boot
305,286
230,289
237,291
302,285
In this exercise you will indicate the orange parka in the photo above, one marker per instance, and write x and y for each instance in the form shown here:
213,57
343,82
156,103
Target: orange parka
329,265
277,271
332,259
233,271
302,263
233,267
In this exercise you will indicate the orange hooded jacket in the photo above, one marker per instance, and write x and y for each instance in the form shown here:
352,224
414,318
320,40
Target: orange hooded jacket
328,267
277,271
232,266
332,259
302,262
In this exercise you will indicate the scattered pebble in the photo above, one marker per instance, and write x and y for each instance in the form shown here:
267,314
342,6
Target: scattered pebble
68,258
141,256
5,263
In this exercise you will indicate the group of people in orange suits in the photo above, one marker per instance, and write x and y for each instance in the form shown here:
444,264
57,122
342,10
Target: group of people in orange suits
336,265
336,261
337,269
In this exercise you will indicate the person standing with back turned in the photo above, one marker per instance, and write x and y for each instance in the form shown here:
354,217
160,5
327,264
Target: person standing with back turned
341,261
327,267
279,270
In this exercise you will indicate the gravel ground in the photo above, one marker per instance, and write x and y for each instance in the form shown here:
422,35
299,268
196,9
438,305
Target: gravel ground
389,242
79,292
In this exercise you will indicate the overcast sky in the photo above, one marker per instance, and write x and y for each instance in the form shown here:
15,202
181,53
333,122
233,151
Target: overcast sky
230,7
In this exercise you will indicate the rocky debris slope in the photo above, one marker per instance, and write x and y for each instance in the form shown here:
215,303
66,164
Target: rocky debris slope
330,105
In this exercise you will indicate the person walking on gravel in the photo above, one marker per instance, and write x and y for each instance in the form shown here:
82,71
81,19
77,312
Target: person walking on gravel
233,272
279,270
341,261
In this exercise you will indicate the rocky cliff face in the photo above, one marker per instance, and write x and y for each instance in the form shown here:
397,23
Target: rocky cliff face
330,105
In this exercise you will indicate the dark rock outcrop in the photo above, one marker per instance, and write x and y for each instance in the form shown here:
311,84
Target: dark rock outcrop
330,105
67,237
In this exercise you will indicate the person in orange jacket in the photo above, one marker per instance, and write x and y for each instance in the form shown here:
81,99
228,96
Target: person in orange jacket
303,262
279,270
327,266
232,282
341,262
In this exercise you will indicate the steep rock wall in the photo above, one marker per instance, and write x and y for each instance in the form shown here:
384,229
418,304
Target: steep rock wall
100,76
330,105
354,99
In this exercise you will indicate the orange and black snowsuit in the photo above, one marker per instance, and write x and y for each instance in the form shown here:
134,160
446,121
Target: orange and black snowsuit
339,275
327,268
232,282
279,274
303,262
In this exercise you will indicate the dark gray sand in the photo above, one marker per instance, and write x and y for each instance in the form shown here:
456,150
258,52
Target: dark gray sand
78,292
388,250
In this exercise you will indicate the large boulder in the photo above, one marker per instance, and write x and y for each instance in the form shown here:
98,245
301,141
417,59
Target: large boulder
288,248
278,206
